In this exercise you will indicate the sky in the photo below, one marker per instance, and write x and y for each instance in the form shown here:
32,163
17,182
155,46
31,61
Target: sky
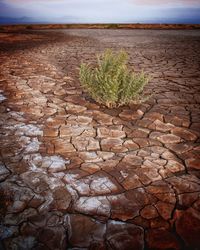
99,11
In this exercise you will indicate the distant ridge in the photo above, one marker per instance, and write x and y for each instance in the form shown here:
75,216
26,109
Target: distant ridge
19,21
11,20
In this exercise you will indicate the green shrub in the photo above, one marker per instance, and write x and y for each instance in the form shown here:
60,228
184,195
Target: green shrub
111,83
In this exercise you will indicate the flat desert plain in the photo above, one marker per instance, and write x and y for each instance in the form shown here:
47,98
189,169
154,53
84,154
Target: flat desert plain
77,175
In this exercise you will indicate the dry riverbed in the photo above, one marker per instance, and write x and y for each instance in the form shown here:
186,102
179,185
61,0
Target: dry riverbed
76,175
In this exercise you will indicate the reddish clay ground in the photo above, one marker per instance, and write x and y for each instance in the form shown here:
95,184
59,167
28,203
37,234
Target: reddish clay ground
76,175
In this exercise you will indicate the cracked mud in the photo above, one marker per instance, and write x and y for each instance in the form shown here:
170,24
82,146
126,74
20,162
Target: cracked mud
76,175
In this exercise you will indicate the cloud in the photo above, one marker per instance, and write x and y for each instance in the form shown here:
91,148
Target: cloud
138,2
100,10
166,2
6,10
86,9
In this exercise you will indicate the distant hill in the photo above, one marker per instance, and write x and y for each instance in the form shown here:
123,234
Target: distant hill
21,20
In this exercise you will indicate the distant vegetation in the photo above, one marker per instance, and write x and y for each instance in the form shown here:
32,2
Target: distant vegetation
100,26
113,26
111,83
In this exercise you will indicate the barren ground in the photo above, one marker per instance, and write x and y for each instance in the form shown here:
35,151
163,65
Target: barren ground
75,175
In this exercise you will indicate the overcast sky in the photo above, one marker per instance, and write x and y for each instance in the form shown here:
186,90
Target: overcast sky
110,11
